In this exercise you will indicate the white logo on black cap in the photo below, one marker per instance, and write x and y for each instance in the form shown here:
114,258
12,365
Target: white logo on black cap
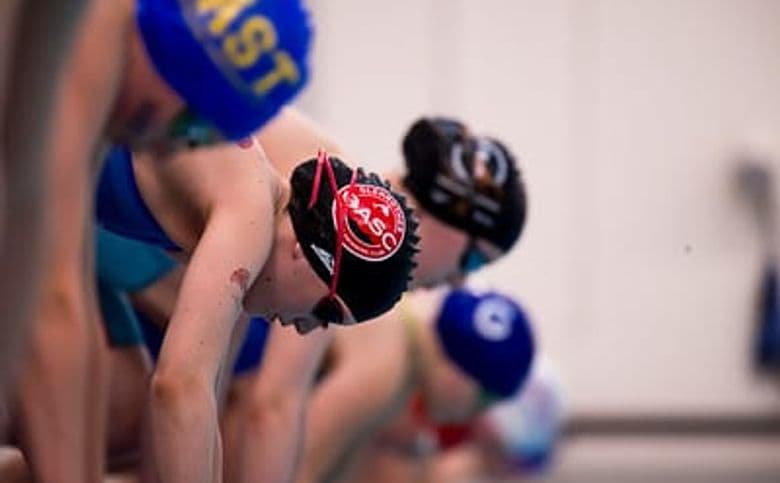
491,152
325,257
486,151
456,163
493,318
489,163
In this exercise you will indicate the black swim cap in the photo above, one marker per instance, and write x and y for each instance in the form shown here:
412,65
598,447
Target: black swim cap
379,240
470,183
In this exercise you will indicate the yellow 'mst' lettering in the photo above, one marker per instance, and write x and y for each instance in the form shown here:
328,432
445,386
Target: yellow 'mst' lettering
285,70
256,37
225,12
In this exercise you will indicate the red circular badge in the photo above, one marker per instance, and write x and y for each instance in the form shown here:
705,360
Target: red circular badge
379,218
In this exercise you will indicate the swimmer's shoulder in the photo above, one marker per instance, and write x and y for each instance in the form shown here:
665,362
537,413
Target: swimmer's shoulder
423,304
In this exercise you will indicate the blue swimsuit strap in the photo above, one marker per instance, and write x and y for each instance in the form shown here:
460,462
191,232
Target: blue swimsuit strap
121,208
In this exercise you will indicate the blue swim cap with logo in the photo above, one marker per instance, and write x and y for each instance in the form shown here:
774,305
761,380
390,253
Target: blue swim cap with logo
234,62
489,337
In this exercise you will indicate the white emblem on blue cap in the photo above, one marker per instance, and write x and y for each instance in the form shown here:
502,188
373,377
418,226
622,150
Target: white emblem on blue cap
493,318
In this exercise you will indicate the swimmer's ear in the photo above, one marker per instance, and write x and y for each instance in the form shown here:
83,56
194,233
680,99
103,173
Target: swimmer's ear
297,251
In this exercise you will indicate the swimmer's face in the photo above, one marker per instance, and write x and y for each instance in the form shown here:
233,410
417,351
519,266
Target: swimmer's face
447,255
325,311
191,130
150,115
306,322
303,322
145,127
297,290
160,128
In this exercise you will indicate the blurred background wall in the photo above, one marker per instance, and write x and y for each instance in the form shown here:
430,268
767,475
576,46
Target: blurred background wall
640,263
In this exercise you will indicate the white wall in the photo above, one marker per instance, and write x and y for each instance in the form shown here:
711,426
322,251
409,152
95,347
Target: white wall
639,263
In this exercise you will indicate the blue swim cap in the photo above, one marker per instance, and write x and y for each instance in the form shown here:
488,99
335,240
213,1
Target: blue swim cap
488,337
234,62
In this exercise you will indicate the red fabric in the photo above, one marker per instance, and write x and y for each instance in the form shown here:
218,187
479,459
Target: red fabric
420,412
447,435
451,435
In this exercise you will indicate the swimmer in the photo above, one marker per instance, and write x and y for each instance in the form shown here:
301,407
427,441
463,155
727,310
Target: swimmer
128,79
261,424
444,358
254,242
34,37
514,438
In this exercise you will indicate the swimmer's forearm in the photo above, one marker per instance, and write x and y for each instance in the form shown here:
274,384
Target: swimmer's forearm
184,402
274,432
52,402
349,404
271,445
56,388
334,423
187,446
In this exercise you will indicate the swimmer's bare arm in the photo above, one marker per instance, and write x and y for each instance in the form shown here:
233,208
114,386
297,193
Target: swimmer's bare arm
273,428
224,378
351,402
184,404
62,399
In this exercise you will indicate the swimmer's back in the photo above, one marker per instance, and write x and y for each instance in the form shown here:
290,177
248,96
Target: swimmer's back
184,190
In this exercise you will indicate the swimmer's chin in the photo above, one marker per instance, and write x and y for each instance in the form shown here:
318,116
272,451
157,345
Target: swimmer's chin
304,327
